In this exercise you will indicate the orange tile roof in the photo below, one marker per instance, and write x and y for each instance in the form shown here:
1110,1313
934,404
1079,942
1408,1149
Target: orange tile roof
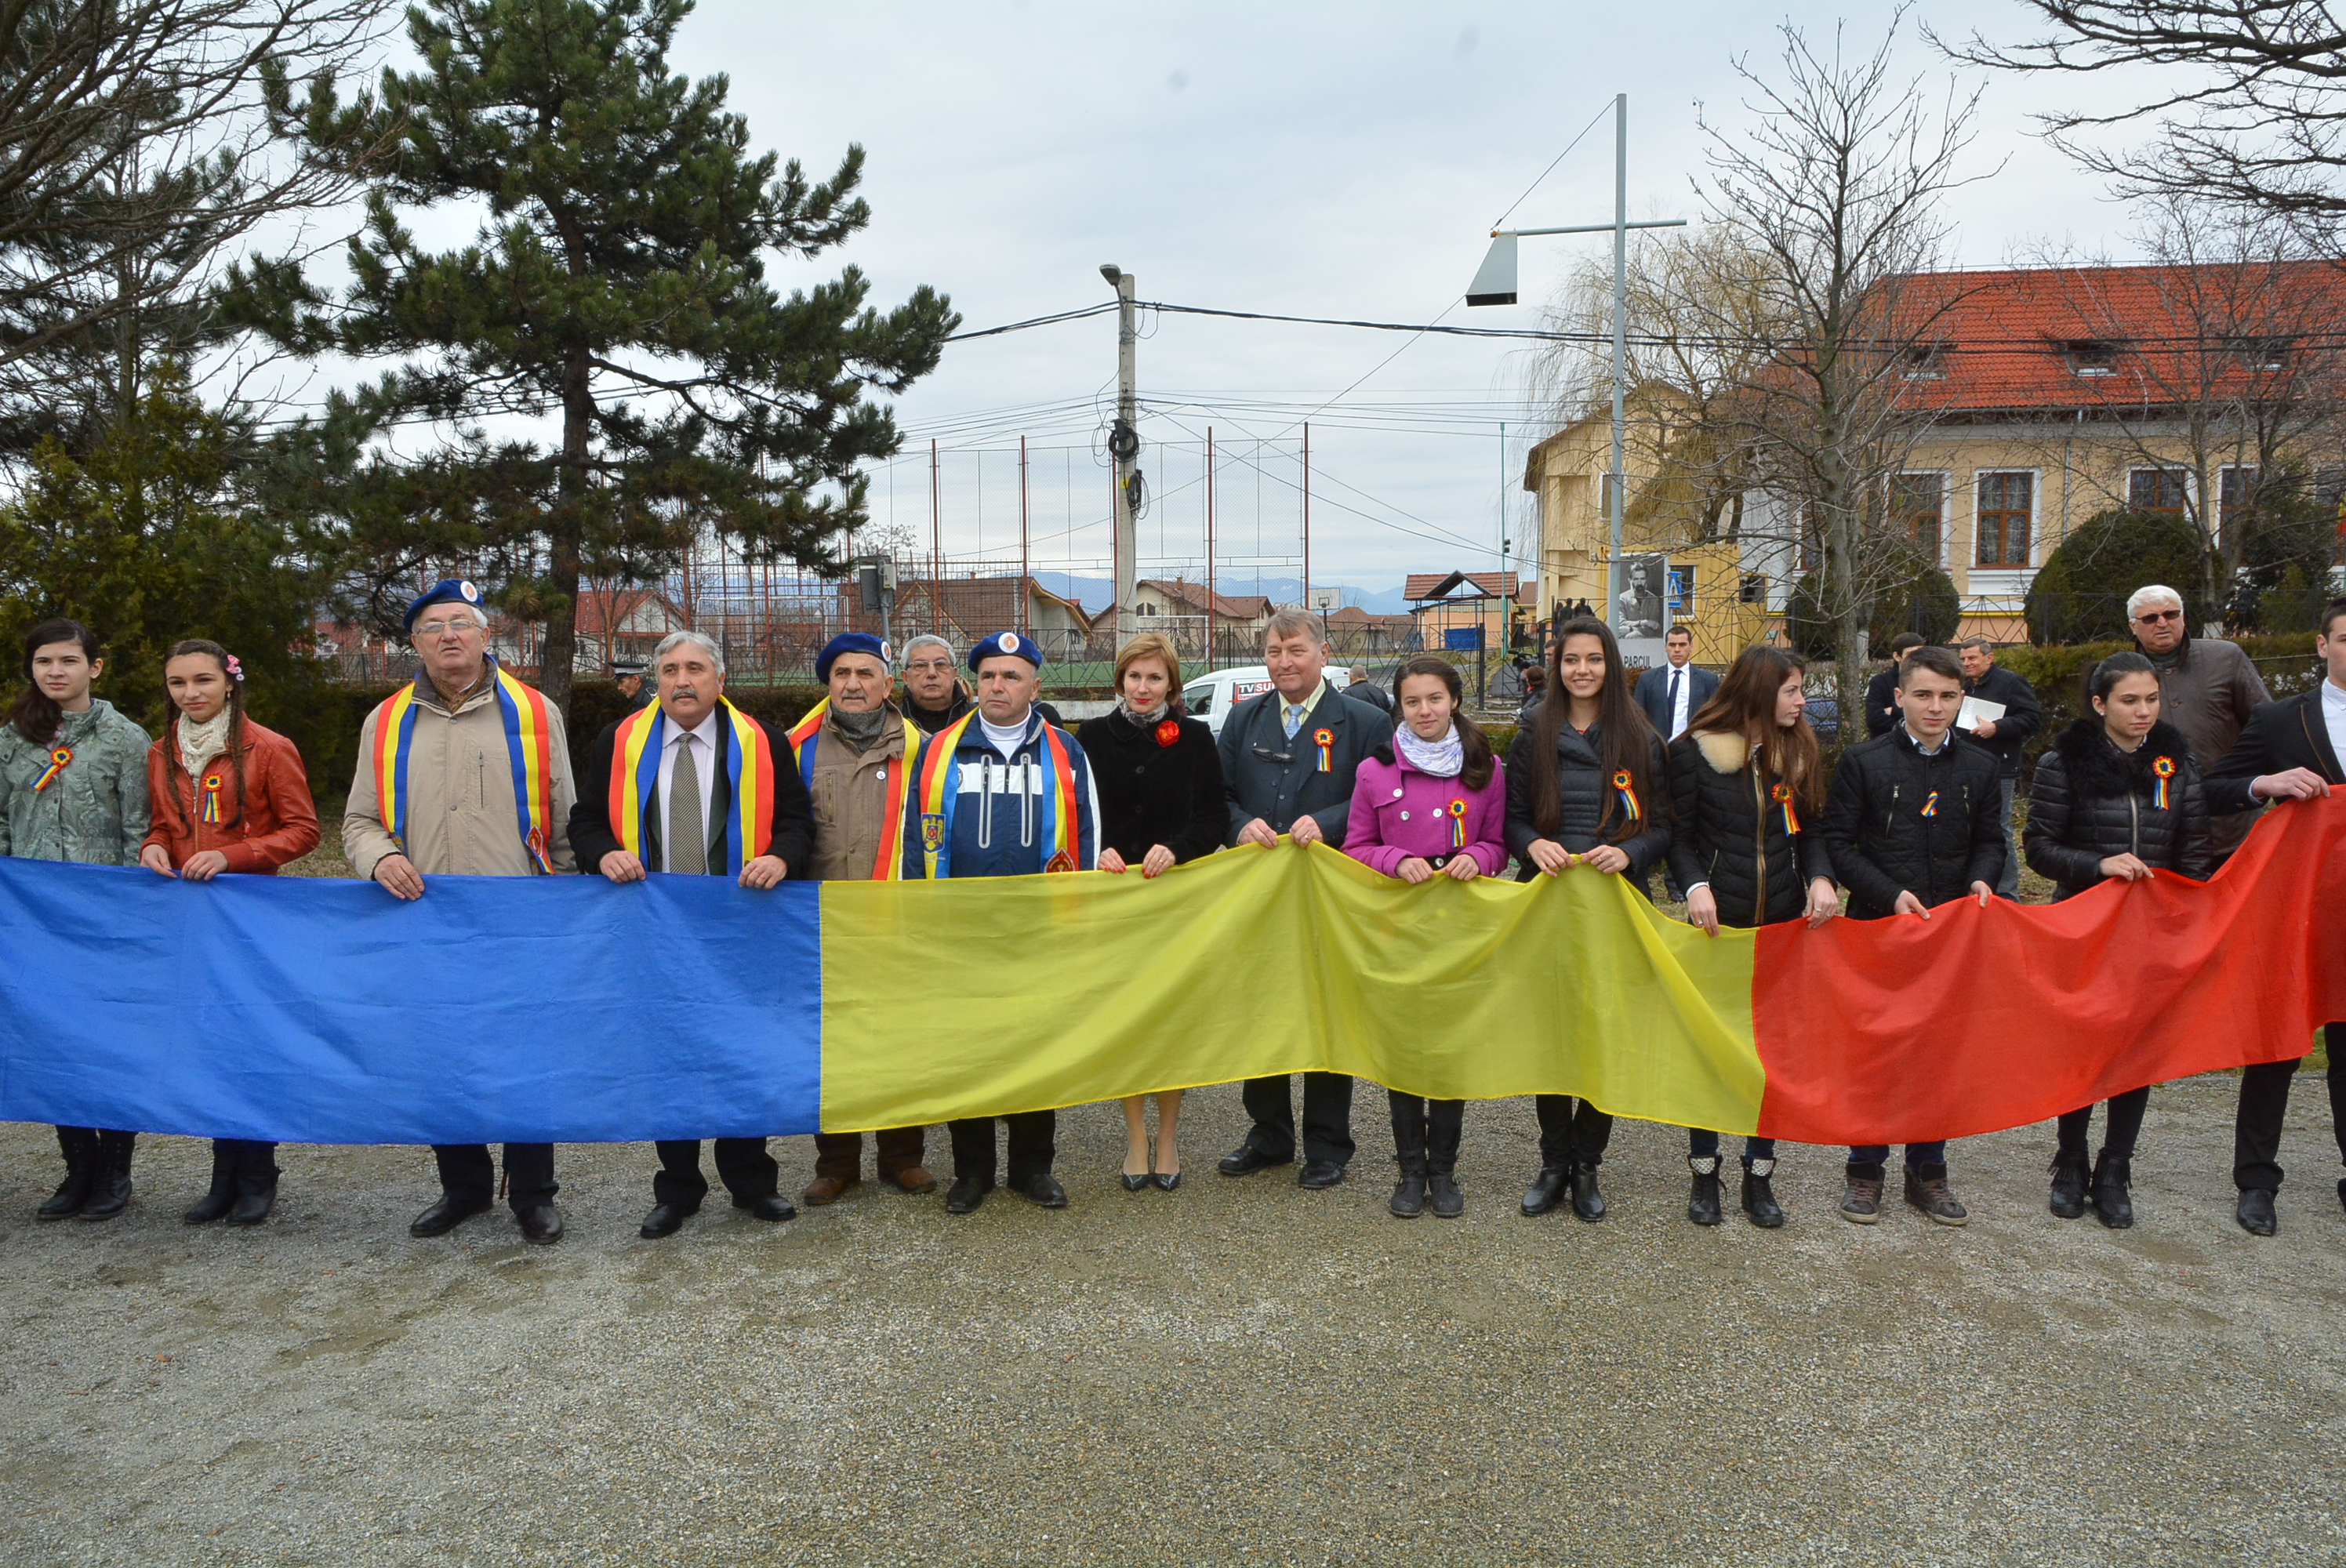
1421,585
2015,340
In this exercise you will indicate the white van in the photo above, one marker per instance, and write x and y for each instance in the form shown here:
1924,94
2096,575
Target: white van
1211,696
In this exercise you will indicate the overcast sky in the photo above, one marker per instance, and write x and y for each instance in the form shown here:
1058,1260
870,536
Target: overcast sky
1311,160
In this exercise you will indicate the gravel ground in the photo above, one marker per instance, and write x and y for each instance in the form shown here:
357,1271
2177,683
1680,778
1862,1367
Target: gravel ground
1239,1370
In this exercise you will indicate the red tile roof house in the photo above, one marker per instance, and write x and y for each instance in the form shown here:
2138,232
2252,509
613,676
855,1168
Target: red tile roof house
2059,392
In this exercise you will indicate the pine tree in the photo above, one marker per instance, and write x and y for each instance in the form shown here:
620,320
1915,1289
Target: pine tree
618,287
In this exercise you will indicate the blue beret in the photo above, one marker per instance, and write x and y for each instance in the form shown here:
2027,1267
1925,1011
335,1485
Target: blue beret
1001,643
446,591
848,643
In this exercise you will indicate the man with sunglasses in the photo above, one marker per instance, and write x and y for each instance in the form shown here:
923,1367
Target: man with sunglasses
2207,688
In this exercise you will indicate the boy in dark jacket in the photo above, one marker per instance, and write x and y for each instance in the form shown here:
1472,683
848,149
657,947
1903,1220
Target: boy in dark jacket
1913,822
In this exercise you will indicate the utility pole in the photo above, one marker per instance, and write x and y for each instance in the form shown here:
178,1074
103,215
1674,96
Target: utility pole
1210,548
1025,568
1124,445
1307,515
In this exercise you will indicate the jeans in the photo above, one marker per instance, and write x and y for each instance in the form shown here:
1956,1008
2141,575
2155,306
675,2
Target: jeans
1917,1155
1703,1143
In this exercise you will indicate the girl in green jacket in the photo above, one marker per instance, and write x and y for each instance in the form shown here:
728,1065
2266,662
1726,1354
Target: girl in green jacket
73,786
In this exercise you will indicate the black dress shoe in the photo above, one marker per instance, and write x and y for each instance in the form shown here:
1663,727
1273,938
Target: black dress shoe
1547,1190
665,1219
2256,1211
1170,1181
1135,1182
966,1193
1587,1201
770,1206
540,1223
1044,1188
446,1215
1248,1160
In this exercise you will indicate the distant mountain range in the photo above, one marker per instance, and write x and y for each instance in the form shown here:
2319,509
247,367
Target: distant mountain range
1095,594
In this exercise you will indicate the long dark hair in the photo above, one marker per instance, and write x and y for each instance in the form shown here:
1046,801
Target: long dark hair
35,713
211,650
1477,744
1745,705
1629,741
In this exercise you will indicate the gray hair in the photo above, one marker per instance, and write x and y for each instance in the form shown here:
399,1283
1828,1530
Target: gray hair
1294,623
924,640
2151,593
675,640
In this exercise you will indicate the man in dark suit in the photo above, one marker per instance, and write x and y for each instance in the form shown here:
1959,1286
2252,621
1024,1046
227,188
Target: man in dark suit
1881,691
1671,697
686,825
1288,761
1674,693
2294,749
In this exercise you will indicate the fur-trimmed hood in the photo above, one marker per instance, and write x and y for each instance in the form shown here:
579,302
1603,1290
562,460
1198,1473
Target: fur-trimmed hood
2097,768
1726,751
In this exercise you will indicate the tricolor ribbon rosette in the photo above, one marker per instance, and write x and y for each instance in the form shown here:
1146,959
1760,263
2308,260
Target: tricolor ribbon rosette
57,760
1325,739
1457,809
1783,797
1627,787
2163,769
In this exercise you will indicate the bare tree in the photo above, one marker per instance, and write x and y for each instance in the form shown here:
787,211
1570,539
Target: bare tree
2259,120
2222,372
137,150
1834,190
1700,341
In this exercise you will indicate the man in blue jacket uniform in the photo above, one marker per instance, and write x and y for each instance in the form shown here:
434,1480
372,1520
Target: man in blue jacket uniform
1000,792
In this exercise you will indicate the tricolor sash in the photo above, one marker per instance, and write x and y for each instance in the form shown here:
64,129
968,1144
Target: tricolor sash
529,744
808,732
635,748
940,790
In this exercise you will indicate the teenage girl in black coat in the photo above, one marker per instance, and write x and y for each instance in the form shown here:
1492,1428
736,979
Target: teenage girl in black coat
1158,775
2117,795
1565,813
1747,788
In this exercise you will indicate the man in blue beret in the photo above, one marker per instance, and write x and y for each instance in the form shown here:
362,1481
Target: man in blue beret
1001,793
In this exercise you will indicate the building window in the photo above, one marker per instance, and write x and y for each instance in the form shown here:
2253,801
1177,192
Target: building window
2162,490
2260,354
1753,589
1925,361
2002,519
1914,511
2091,357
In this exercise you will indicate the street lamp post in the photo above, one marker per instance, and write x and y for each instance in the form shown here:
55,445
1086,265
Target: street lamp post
1495,284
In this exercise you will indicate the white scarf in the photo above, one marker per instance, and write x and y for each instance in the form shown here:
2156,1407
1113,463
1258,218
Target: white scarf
1443,759
200,743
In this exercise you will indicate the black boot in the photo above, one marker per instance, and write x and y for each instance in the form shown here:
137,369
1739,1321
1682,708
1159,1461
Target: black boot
1702,1203
1547,1189
1760,1195
215,1203
1442,1190
110,1186
2069,1183
1409,1193
1587,1201
1408,1153
2112,1173
79,1147
256,1184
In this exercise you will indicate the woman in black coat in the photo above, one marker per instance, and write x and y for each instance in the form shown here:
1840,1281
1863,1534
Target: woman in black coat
2117,795
1584,792
1747,787
1158,777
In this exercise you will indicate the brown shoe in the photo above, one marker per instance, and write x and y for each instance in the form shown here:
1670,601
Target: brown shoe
825,1190
1861,1200
1926,1189
913,1179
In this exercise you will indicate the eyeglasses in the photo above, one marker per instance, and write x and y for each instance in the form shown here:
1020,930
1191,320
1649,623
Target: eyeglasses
931,665
2152,618
439,628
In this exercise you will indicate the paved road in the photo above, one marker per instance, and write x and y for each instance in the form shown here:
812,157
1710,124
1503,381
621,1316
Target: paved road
1239,1372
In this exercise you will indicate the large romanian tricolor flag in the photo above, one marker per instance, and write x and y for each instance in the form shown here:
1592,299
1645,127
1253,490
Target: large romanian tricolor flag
570,1009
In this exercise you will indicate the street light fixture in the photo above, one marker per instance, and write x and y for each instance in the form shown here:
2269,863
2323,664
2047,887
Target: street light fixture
1495,284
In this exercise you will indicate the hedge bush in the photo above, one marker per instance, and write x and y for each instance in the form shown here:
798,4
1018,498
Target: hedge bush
1929,605
2080,595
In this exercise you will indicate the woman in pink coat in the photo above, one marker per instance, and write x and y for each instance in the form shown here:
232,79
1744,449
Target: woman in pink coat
1431,802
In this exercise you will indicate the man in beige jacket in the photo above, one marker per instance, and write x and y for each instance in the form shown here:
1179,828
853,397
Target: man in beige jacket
463,818
853,755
